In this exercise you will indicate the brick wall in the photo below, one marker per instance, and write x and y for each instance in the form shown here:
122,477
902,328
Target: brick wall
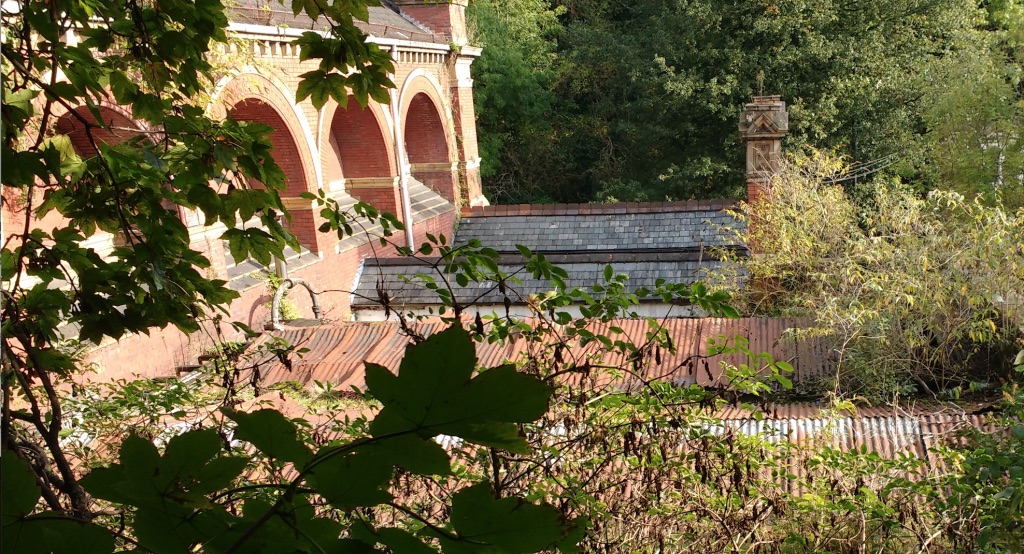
360,142
444,182
385,199
350,143
425,139
157,354
444,17
285,151
76,130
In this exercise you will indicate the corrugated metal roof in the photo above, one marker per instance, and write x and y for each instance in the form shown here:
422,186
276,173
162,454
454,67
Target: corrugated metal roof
337,351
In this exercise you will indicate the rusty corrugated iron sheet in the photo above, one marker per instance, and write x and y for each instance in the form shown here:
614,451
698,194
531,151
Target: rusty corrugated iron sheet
337,351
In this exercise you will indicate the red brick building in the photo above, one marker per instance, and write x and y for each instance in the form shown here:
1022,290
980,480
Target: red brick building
416,158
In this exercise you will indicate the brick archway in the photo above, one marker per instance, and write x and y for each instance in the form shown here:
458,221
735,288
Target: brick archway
119,127
426,140
429,136
114,126
285,148
425,114
354,143
251,97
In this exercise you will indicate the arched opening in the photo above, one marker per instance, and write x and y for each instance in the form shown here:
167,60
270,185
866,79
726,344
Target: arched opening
86,133
425,138
426,144
285,149
357,141
287,154
358,151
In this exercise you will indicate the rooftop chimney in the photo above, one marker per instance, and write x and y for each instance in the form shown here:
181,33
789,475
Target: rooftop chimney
443,17
763,124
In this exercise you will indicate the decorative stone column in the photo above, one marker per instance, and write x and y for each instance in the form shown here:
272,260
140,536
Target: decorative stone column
763,124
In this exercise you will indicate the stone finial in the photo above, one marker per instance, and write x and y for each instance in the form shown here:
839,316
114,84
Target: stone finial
763,124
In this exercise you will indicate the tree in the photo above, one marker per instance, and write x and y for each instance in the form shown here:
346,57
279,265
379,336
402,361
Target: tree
649,92
516,101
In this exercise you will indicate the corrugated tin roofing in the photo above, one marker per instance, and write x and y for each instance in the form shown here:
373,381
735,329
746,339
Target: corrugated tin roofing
336,352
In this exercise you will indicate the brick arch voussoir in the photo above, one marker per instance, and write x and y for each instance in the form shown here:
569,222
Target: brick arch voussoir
64,122
384,127
418,83
246,87
117,115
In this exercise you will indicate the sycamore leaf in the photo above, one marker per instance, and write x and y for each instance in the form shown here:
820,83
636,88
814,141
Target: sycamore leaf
19,491
43,532
352,479
272,434
435,393
509,525
418,455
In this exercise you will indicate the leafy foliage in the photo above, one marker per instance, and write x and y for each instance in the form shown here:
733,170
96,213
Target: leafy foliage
638,101
919,293
184,496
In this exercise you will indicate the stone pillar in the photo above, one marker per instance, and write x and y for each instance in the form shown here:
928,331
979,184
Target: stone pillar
206,240
443,17
763,125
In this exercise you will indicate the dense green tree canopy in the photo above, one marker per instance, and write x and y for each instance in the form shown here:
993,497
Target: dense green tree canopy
638,100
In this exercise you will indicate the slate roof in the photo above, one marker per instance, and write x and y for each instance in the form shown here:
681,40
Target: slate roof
672,241
385,21
678,227
583,269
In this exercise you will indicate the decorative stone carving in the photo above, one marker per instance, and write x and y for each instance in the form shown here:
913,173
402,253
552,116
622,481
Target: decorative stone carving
763,124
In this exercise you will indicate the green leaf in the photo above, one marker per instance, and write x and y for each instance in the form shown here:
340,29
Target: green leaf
272,434
352,479
47,533
508,524
400,540
435,393
19,492
422,456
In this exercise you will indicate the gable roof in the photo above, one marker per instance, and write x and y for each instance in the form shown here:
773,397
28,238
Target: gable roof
584,269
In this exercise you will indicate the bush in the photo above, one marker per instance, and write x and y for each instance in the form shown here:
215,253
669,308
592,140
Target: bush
922,294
